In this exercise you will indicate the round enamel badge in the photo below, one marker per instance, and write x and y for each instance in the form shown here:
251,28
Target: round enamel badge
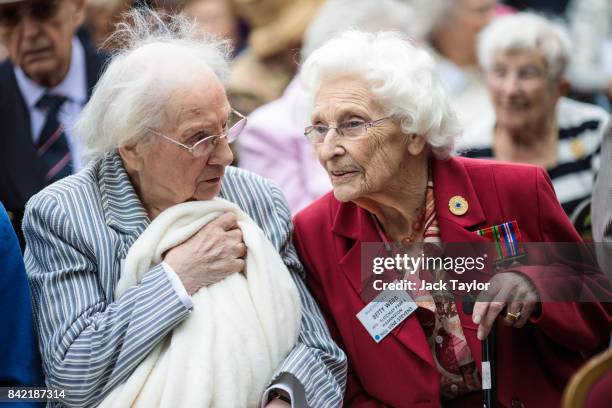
458,205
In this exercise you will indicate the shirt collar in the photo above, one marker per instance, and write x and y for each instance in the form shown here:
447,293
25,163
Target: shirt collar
73,86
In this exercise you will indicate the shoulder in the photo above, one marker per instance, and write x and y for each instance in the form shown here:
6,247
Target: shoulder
317,216
75,196
477,139
501,182
7,234
246,186
261,199
7,77
499,170
578,119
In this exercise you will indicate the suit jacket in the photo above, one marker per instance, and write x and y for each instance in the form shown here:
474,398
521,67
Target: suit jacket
22,170
534,362
20,359
80,228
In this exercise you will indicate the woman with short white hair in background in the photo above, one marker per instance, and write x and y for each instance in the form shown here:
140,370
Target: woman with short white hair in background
525,57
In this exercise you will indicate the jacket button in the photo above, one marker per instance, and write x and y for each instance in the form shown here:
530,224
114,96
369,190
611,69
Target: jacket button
517,403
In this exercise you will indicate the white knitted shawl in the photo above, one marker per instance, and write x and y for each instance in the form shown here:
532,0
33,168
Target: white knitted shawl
239,331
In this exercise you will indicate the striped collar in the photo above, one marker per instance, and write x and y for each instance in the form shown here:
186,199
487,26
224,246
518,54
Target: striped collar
123,209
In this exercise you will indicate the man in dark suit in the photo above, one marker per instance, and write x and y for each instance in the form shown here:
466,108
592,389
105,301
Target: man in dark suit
44,85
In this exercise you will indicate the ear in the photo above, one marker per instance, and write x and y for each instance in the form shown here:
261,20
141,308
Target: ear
79,12
131,158
416,144
564,86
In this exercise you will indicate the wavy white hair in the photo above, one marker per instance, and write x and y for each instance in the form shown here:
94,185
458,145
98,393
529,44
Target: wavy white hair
402,76
158,55
530,32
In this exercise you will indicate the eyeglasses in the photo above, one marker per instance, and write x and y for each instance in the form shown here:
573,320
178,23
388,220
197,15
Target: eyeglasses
40,10
350,129
206,144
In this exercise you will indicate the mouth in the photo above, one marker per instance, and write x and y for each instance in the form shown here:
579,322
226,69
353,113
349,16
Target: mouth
213,180
515,106
36,53
341,175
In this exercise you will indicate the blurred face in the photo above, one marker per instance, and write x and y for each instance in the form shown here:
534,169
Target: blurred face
259,12
214,16
359,169
165,173
38,35
474,15
522,91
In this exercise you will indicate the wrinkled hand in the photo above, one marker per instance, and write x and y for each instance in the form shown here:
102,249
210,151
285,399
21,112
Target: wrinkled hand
214,253
511,290
277,403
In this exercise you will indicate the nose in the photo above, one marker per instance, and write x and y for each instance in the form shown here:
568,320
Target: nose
511,84
221,154
329,148
29,26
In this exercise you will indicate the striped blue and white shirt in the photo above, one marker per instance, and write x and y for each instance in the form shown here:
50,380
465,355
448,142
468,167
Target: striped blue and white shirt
79,230
581,128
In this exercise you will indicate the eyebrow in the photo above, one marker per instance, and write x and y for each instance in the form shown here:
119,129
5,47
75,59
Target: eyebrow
343,113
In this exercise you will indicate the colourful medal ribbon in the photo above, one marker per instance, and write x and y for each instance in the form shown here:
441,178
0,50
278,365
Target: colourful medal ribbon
506,237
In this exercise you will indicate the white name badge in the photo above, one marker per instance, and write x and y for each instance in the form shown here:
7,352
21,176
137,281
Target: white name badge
386,312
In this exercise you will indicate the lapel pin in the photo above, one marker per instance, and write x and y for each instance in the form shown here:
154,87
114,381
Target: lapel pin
458,205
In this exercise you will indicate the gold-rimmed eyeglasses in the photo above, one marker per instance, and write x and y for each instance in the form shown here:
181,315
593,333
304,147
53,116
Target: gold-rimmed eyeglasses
204,147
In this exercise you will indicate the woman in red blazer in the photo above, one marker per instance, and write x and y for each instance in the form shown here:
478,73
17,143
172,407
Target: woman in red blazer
383,129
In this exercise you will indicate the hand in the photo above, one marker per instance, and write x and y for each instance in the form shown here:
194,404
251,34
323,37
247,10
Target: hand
278,403
212,254
508,289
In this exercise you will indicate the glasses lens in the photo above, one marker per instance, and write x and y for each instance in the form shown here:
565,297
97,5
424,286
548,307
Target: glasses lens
353,128
44,9
205,147
235,130
10,15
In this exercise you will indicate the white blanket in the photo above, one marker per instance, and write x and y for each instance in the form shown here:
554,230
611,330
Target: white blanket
239,331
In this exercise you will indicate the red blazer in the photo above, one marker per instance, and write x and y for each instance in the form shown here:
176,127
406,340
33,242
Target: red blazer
534,363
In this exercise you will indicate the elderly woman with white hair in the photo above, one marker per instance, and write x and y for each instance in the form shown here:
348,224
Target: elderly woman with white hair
525,58
161,276
383,130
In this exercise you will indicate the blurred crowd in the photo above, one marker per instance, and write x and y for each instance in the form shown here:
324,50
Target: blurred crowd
269,39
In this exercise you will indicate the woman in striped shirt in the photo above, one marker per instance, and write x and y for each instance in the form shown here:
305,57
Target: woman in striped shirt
524,57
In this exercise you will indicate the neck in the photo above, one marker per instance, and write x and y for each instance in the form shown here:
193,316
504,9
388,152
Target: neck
400,206
527,144
152,204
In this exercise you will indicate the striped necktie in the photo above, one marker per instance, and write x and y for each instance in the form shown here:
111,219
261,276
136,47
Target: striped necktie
52,146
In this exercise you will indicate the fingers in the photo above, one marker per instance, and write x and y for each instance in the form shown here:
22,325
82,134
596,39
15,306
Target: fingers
483,300
529,305
227,221
239,250
493,310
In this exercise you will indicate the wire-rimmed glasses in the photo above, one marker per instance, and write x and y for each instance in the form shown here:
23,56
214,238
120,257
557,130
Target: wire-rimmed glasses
349,129
204,147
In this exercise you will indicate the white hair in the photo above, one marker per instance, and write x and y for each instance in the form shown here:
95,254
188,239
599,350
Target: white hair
402,77
336,16
158,55
529,32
